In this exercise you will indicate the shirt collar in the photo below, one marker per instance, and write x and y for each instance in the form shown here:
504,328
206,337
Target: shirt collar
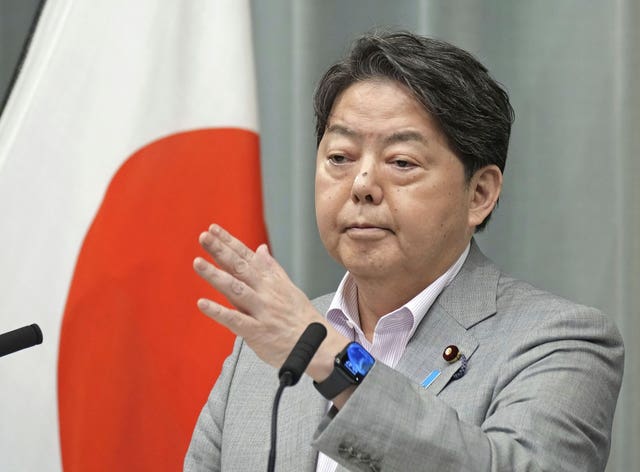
343,309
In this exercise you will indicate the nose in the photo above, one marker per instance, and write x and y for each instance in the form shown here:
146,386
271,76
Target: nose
366,188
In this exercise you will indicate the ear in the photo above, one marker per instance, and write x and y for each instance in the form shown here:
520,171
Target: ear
484,190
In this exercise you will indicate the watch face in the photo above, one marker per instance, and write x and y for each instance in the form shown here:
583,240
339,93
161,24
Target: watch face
357,361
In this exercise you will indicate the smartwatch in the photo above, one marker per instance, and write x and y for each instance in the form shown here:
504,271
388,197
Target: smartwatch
349,368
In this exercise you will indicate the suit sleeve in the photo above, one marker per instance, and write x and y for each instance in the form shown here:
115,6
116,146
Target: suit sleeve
204,450
551,409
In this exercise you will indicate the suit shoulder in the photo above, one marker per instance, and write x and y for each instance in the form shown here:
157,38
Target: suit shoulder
530,308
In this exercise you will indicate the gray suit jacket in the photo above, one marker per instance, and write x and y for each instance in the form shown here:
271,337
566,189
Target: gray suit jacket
539,393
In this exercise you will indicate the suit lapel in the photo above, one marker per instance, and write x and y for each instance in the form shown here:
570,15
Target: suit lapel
471,296
469,299
423,356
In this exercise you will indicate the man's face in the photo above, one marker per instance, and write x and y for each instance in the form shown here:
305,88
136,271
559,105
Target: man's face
392,201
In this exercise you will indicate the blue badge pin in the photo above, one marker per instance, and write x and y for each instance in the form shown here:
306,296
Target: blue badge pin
430,378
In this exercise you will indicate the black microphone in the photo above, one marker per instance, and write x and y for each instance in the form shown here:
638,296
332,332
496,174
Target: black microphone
301,354
291,371
20,338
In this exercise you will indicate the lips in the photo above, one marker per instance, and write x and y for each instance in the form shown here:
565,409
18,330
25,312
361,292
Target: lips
365,227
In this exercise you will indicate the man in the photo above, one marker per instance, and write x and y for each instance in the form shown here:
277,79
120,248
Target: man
474,371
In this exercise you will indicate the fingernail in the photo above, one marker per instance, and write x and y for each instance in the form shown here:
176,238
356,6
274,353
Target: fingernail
220,232
199,263
206,239
203,304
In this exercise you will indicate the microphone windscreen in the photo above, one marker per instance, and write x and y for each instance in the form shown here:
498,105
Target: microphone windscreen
20,338
301,354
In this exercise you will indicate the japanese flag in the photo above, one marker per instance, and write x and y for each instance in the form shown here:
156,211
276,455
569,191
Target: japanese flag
132,126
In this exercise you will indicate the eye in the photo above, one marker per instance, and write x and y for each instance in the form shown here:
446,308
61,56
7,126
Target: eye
337,159
403,163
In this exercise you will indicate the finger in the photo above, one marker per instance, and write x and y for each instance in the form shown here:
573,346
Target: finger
241,324
237,292
242,251
269,266
227,257
231,241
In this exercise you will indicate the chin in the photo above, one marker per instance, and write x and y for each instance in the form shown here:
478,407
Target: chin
365,268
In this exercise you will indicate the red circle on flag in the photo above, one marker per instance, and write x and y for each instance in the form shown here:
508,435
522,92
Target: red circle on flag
137,359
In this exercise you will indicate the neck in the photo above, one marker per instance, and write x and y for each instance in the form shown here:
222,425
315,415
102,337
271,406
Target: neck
378,296
376,299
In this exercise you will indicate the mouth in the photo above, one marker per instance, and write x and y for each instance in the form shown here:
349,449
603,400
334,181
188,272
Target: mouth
366,228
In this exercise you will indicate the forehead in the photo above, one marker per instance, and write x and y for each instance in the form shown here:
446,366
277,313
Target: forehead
380,107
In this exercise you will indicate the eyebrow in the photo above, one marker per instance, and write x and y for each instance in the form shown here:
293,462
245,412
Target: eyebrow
342,130
398,137
405,136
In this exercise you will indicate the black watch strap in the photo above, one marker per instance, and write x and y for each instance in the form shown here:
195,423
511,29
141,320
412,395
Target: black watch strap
335,384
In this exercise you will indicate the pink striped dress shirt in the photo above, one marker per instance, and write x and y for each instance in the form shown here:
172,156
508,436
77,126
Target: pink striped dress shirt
393,330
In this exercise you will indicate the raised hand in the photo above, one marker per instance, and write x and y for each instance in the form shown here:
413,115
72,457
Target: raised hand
271,312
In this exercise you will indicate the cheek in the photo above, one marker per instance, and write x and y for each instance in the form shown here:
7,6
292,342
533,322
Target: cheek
322,185
327,227
325,211
425,214
329,197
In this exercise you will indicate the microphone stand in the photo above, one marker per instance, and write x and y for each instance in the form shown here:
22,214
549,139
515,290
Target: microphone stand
290,373
274,421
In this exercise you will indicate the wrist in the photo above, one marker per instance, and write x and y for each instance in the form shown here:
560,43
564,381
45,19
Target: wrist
350,366
323,361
